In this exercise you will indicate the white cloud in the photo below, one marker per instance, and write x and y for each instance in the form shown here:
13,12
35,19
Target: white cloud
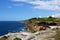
19,0
15,5
40,16
18,4
43,4
56,15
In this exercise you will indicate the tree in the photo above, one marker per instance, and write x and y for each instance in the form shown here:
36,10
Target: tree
50,17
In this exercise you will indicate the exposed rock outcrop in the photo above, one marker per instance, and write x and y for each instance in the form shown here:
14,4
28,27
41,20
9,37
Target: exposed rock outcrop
40,35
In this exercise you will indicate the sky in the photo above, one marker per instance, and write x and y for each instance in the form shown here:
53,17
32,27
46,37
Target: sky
14,10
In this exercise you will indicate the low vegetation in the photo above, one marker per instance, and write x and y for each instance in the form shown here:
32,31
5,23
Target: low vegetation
31,23
46,19
4,38
17,39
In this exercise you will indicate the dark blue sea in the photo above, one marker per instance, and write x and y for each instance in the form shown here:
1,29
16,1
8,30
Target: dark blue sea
10,26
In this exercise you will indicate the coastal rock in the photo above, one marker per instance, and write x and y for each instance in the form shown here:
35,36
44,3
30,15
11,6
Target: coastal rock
46,35
40,35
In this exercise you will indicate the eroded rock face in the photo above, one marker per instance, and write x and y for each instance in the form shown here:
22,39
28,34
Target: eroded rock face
46,35
41,35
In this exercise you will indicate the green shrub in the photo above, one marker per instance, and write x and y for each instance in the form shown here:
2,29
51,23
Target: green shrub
17,39
5,36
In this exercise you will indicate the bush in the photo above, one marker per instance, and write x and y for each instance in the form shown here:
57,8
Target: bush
17,39
5,36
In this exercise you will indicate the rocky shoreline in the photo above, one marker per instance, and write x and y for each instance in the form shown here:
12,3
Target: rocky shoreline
40,35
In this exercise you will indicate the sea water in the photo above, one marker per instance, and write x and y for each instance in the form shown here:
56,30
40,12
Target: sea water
10,26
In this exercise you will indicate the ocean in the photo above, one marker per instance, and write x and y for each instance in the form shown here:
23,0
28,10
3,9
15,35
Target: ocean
11,26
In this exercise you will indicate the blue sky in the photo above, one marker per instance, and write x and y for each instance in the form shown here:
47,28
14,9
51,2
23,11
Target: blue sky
15,10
